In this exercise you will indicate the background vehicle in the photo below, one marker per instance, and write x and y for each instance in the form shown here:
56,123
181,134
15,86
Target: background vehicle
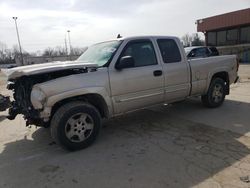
112,78
201,51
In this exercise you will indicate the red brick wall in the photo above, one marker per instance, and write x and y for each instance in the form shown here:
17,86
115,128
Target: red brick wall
237,18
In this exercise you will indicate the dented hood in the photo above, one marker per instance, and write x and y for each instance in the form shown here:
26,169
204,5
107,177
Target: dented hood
44,68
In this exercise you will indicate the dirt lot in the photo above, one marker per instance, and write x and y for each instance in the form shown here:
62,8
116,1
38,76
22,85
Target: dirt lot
181,145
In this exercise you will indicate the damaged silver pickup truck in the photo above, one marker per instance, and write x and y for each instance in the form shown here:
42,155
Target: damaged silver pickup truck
112,78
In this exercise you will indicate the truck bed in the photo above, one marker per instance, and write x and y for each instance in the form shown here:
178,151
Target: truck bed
202,70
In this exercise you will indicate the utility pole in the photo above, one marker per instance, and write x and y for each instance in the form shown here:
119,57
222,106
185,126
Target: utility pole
66,48
18,38
70,48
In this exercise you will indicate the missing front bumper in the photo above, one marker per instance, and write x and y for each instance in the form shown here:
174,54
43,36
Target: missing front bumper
4,102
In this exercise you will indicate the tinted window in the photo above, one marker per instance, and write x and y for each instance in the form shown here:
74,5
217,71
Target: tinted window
214,51
245,34
211,38
199,52
142,52
221,37
232,35
169,50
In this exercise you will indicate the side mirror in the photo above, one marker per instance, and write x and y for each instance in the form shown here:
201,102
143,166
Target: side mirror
125,62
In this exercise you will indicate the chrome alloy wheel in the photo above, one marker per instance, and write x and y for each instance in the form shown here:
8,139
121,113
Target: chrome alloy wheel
217,94
79,127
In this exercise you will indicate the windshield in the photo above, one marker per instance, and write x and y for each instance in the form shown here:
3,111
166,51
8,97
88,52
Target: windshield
100,53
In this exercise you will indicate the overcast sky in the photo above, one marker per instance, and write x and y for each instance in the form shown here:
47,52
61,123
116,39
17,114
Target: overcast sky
44,23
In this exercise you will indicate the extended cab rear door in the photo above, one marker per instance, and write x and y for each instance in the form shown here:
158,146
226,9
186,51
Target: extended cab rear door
138,86
175,68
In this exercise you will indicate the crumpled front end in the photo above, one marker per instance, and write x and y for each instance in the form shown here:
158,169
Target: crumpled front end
29,99
21,104
4,103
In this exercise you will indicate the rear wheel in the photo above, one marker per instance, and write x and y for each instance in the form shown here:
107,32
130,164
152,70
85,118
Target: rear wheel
75,125
216,93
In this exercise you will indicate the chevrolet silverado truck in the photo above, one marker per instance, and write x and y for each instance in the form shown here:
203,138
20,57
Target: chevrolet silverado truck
112,78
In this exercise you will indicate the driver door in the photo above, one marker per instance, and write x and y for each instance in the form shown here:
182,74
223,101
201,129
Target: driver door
140,85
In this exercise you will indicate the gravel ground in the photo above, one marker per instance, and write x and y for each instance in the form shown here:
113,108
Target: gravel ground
181,145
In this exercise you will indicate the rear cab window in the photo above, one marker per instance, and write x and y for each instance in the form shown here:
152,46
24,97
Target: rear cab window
169,50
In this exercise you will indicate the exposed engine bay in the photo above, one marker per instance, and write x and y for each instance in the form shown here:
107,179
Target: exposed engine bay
22,88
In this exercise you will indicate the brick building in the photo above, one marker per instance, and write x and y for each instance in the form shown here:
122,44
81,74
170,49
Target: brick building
230,32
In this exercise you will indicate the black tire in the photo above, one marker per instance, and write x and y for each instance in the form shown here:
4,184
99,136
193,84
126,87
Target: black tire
213,99
46,125
60,124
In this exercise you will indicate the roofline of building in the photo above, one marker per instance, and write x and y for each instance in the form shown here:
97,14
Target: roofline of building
222,14
226,20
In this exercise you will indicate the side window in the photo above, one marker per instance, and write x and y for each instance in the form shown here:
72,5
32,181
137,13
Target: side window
142,52
200,52
192,53
169,50
208,53
214,51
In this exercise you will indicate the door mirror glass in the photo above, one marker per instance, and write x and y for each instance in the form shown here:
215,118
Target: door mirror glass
125,62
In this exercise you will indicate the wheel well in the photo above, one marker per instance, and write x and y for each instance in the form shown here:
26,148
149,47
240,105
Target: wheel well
224,76
95,99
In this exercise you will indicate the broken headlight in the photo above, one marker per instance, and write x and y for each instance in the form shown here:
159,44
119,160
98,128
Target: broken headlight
37,98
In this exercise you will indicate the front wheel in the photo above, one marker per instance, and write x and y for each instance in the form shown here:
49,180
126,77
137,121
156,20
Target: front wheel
75,125
216,93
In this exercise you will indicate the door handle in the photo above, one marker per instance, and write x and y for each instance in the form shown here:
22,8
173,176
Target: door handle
157,73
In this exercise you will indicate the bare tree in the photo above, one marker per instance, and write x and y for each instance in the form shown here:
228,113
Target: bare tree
6,55
187,39
15,51
192,40
78,51
61,51
197,41
3,48
58,51
48,52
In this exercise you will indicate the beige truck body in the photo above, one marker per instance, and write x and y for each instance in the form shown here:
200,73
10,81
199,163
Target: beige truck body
129,89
